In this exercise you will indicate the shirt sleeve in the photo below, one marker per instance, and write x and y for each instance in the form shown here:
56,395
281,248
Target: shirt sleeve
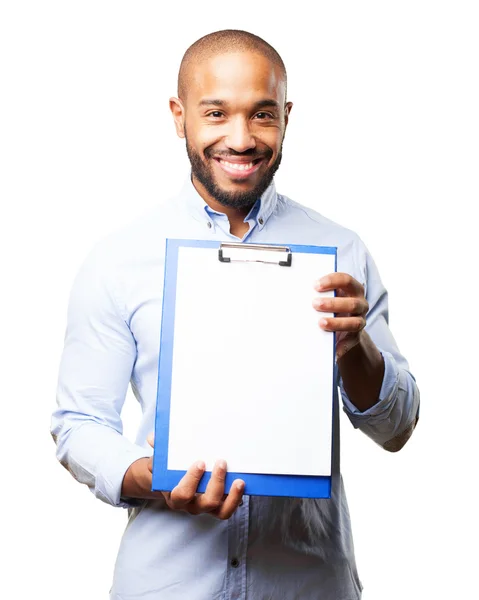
391,421
95,369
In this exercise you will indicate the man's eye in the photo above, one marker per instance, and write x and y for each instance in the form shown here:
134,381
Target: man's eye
216,114
264,115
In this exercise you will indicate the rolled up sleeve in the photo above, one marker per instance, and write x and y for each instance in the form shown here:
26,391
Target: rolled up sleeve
391,421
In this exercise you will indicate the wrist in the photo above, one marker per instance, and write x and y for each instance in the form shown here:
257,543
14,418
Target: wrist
133,485
348,342
362,370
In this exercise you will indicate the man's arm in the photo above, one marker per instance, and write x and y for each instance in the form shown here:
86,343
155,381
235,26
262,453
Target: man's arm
95,370
380,395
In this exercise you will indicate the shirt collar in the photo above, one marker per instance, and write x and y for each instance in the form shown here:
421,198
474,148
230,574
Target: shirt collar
201,211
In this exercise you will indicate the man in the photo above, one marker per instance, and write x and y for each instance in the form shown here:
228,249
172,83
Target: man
232,111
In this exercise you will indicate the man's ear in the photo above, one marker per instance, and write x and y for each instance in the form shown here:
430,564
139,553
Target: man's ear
287,109
178,112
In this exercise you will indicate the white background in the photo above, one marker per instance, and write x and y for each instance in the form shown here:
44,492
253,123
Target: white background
383,138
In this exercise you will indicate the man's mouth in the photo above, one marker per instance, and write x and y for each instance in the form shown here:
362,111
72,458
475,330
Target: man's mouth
239,169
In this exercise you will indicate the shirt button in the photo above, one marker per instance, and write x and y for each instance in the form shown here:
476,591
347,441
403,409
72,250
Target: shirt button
209,225
241,503
260,220
234,562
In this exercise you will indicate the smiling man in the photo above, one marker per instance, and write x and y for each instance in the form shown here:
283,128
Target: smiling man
232,110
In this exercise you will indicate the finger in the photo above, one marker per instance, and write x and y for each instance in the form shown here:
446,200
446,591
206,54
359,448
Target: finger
232,501
353,306
212,499
350,324
185,491
344,281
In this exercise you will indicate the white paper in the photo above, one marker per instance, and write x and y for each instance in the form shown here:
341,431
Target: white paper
252,374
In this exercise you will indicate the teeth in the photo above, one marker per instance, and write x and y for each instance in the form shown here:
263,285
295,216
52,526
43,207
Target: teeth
237,166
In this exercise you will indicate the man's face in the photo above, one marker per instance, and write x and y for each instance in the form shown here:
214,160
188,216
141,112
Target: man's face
234,119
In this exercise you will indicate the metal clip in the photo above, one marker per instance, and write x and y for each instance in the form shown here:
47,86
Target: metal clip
251,250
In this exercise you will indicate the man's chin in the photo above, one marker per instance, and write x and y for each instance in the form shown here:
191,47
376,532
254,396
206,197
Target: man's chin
236,186
239,194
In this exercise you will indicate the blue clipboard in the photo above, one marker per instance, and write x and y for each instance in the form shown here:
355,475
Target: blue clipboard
165,479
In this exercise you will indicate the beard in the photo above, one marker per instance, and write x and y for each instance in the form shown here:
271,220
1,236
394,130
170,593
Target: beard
239,200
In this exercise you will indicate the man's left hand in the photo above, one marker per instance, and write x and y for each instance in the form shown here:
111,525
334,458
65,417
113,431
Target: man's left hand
349,307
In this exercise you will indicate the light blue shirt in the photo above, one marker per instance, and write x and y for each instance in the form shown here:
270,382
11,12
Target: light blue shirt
272,548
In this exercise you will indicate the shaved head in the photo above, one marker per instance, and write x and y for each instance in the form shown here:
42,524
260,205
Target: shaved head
223,42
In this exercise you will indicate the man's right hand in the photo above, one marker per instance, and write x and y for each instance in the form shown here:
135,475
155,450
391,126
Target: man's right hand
184,497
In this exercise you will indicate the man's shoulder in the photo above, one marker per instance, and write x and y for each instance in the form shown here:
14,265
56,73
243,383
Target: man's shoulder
308,217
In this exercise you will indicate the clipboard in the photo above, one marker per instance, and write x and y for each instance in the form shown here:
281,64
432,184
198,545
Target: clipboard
245,373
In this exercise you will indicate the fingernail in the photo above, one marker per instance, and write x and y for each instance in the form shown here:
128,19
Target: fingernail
323,323
221,464
240,486
200,465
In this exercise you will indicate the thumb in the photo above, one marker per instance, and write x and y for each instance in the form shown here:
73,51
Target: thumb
150,438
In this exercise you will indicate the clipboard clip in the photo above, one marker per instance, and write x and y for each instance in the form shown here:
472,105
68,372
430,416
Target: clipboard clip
256,253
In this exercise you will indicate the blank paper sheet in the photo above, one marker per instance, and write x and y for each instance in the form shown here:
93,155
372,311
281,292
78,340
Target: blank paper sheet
252,372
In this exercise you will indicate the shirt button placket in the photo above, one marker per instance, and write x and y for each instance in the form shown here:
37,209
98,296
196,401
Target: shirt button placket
237,546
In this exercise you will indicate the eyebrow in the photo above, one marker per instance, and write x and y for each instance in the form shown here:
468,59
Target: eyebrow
267,103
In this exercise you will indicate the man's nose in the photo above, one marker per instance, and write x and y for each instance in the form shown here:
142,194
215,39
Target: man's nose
239,136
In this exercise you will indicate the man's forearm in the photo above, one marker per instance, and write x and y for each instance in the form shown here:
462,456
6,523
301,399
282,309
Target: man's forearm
362,372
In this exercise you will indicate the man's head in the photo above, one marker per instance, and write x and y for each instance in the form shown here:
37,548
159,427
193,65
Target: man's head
232,110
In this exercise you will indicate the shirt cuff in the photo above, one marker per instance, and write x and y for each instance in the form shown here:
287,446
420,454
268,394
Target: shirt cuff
387,395
112,469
